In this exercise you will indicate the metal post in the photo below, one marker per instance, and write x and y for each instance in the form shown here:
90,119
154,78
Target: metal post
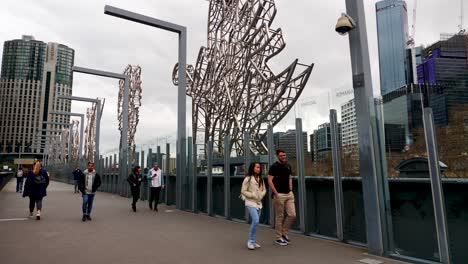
111,175
301,175
168,172
247,160
181,156
271,160
436,186
191,173
209,177
107,173
227,177
362,85
143,165
194,177
337,174
98,130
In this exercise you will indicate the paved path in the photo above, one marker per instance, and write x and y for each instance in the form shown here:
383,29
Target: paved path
117,235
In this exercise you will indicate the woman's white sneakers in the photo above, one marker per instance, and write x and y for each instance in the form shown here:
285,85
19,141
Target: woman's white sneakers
252,246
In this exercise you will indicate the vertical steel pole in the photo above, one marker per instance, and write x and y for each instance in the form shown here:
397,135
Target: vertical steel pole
227,177
247,161
436,186
209,177
301,175
98,131
181,116
194,178
271,160
337,174
168,172
191,175
362,84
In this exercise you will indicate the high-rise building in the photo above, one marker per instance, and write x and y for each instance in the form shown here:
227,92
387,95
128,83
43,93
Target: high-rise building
392,36
287,142
322,144
33,73
349,134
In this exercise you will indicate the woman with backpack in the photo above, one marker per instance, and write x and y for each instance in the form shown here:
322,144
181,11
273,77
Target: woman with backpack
135,180
35,187
252,192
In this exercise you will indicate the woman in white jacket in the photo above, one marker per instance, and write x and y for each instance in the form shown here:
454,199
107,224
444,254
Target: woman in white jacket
252,192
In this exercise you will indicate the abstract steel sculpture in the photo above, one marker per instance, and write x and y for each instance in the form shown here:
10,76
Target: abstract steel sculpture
232,87
90,132
75,140
134,72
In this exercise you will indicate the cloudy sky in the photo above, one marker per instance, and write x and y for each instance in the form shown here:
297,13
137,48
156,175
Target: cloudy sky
108,43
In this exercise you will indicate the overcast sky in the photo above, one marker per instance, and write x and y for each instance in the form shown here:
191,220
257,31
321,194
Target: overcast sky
108,43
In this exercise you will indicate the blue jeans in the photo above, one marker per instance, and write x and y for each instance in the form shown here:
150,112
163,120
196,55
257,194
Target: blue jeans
255,217
19,184
88,200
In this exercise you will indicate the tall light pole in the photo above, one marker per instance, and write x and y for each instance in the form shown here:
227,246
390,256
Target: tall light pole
374,207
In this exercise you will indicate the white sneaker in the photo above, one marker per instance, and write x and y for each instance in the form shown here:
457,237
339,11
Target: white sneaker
250,246
30,214
257,245
38,215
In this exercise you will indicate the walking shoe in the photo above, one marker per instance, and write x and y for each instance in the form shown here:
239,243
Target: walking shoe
281,242
257,245
134,208
83,218
38,215
156,209
88,217
286,239
151,207
250,246
30,214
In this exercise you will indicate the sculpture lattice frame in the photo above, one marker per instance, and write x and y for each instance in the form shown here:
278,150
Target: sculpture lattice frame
232,87
90,132
134,103
75,140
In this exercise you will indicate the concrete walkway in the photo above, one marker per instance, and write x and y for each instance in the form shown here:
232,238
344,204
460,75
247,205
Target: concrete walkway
118,235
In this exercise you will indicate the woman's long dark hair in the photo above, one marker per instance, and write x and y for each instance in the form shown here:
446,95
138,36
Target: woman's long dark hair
135,169
252,173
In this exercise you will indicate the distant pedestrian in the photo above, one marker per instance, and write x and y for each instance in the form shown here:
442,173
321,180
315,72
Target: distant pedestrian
252,192
156,183
88,184
134,179
19,180
36,188
280,182
76,176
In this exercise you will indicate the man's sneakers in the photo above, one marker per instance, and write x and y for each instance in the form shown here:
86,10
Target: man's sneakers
83,218
88,218
38,215
281,242
31,214
286,239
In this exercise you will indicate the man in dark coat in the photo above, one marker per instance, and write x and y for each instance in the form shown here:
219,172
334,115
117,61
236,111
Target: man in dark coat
88,183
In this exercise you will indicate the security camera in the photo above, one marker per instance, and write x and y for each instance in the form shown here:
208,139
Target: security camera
345,24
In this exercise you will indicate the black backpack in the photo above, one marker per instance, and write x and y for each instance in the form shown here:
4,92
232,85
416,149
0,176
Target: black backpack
39,179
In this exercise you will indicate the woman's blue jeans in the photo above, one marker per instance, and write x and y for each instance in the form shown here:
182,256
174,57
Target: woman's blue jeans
255,217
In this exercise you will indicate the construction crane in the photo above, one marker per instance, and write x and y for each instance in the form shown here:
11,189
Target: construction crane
411,42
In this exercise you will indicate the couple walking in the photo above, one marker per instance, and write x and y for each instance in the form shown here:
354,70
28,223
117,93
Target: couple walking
156,184
253,190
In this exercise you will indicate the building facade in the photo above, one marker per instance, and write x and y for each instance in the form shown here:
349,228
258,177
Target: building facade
349,134
33,74
287,142
392,36
322,145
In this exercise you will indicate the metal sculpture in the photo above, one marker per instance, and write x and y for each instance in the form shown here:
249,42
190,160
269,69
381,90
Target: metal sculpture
90,132
134,72
75,140
232,87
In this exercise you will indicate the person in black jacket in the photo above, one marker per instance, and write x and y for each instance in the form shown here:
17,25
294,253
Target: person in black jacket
88,183
36,188
76,176
134,179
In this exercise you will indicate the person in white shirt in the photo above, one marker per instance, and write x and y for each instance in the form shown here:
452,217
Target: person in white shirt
156,183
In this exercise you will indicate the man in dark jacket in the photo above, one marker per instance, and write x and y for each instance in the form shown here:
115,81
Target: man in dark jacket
88,183
76,176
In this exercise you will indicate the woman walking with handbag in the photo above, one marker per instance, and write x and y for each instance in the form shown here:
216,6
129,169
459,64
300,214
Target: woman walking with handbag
252,192
35,187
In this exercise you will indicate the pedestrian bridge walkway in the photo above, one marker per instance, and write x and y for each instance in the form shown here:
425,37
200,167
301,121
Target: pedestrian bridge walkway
118,235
